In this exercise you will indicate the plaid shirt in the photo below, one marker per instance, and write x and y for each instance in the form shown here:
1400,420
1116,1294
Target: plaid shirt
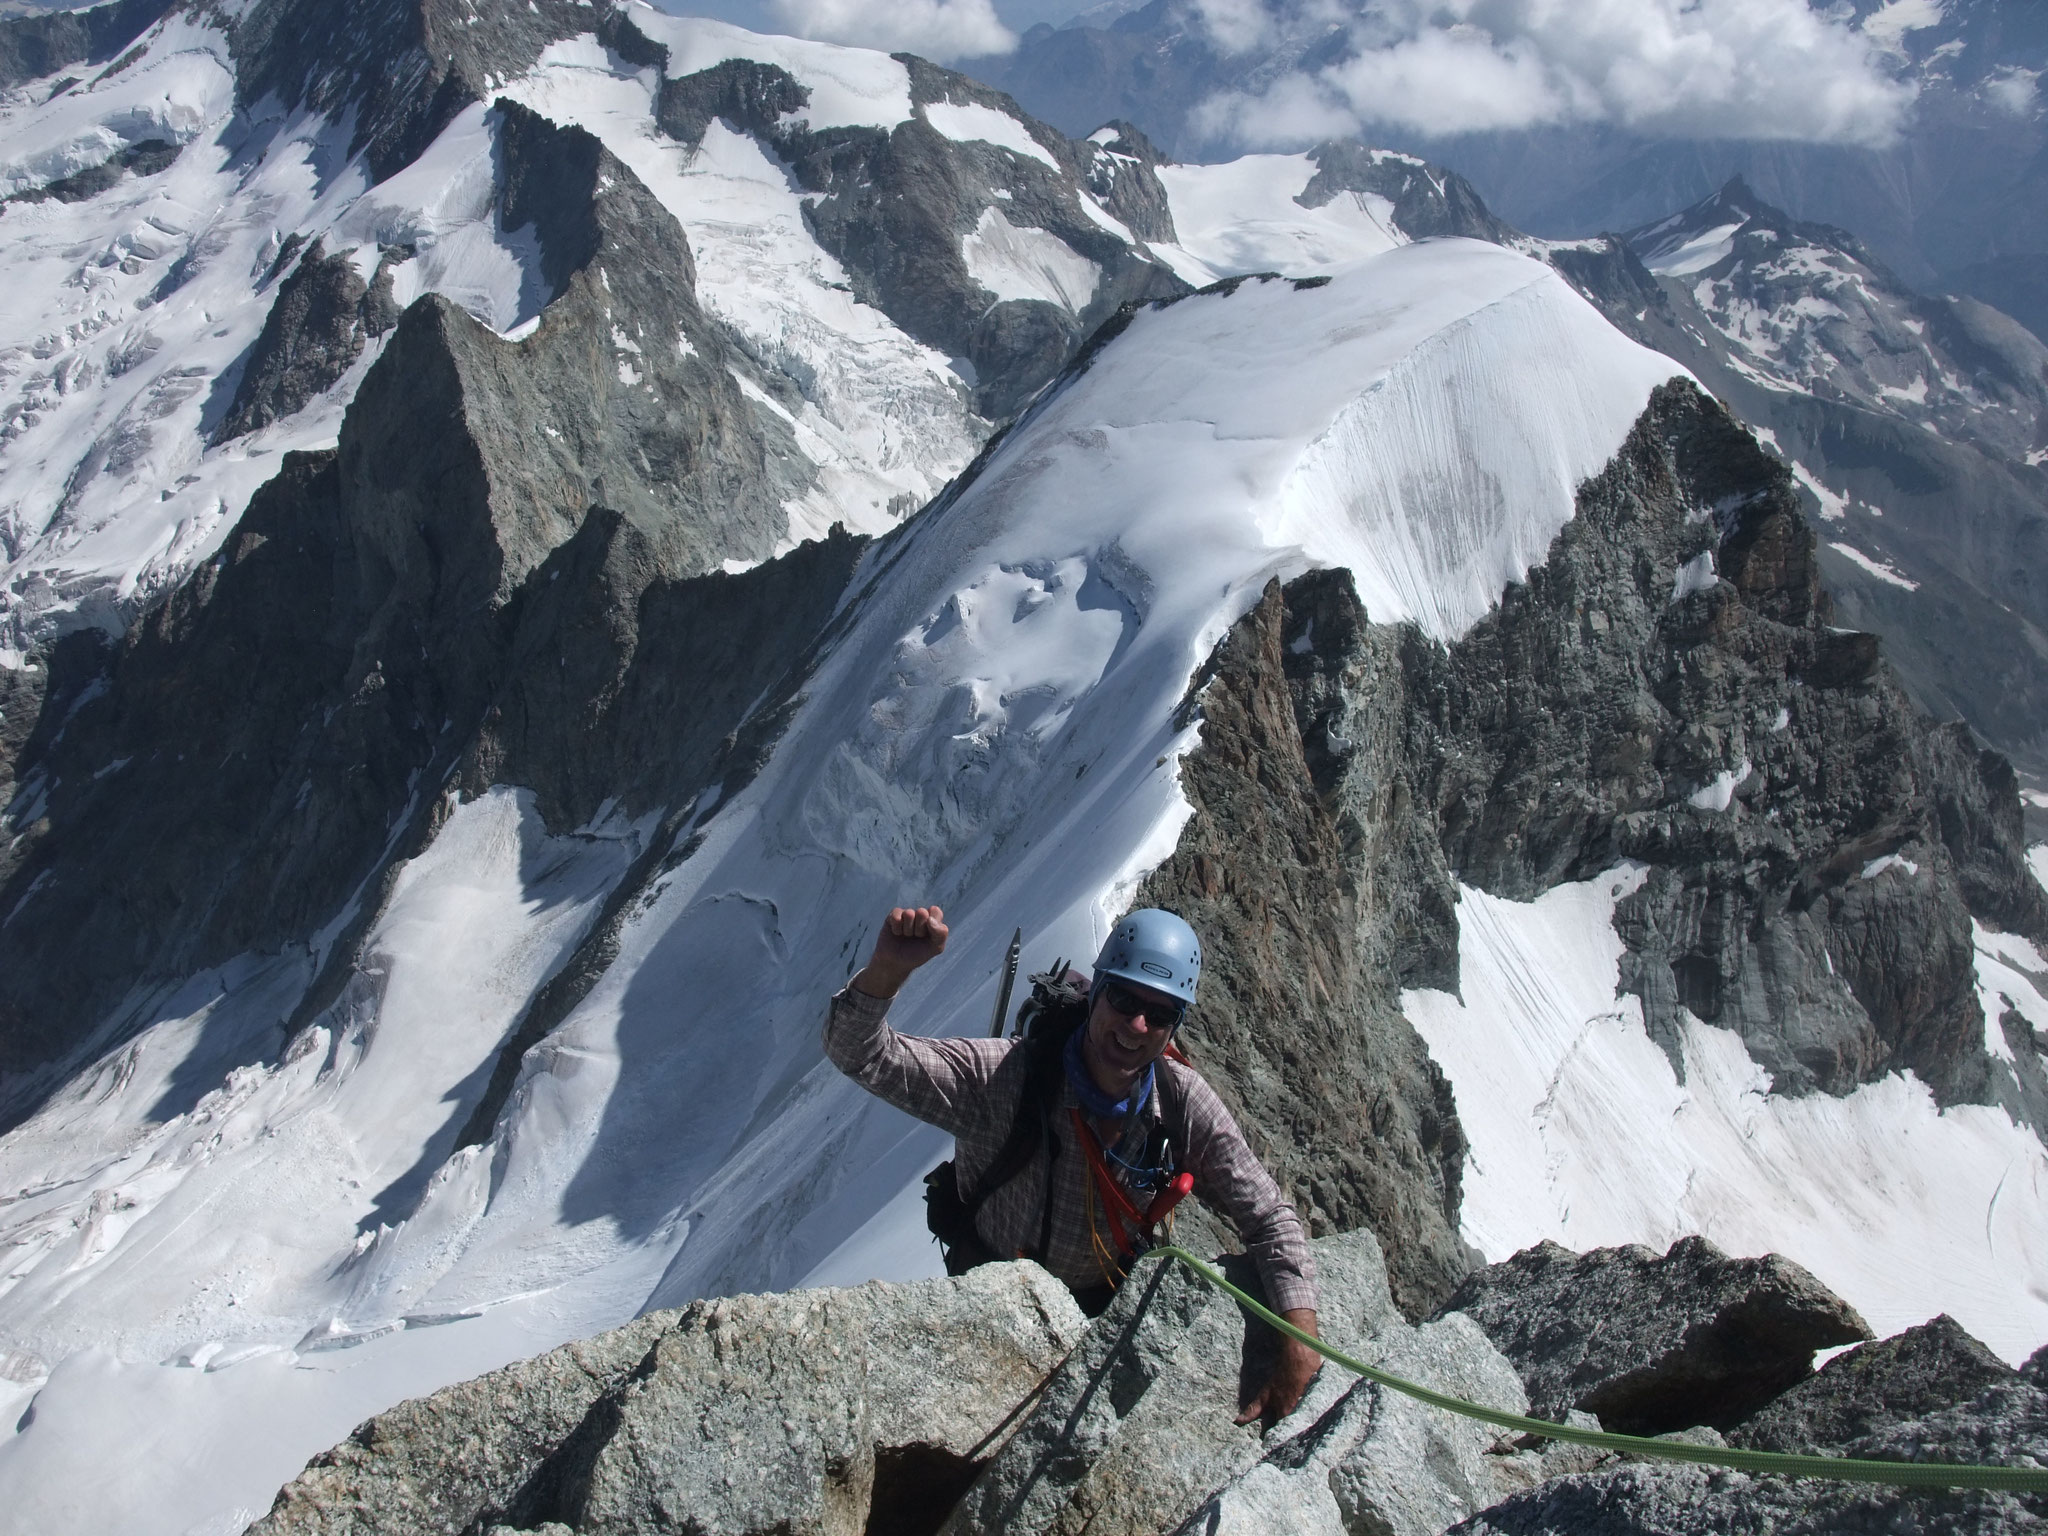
972,1089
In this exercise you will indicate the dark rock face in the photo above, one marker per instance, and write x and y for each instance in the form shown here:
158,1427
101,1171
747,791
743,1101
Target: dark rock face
146,157
1875,1386
1123,175
898,206
275,734
316,328
688,687
2005,1425
1762,763
32,47
1428,200
1290,871
1600,714
1650,1344
405,68
1954,510
1873,343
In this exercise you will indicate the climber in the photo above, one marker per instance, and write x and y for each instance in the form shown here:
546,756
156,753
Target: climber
1124,1118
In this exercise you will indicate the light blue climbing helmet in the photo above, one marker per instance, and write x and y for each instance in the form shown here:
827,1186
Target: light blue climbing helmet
1154,949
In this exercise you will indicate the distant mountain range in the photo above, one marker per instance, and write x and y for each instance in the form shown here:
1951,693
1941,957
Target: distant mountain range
1959,203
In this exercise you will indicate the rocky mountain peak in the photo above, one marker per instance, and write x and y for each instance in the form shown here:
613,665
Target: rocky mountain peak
402,69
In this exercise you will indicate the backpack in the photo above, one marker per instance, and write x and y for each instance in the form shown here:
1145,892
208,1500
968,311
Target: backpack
1056,1006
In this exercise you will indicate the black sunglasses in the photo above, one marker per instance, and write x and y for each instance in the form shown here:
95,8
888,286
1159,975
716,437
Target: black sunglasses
1122,1000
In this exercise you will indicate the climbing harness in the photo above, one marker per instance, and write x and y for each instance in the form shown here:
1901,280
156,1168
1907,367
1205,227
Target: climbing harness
1130,1231
1902,1474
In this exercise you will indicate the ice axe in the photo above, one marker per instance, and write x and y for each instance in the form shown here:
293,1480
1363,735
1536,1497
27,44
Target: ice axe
995,1025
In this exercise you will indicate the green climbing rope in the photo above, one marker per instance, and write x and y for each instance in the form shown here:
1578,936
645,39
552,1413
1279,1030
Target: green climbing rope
1904,1474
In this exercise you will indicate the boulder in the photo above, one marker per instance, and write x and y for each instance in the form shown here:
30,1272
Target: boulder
2005,1424
1934,1366
809,1413
1651,1344
1135,1433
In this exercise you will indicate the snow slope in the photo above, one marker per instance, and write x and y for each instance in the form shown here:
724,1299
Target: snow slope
1242,216
173,1253
1582,1133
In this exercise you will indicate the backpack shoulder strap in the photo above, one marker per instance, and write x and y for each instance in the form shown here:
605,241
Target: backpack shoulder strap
1051,1019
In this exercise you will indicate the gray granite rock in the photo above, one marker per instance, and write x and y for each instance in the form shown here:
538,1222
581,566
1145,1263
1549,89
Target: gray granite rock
1135,1433
1927,1368
807,1412
1651,1344
2005,1425
435,1464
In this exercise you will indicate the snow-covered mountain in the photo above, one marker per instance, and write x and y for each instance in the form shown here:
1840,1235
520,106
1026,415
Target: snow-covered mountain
456,753
1953,201
1804,309
1911,406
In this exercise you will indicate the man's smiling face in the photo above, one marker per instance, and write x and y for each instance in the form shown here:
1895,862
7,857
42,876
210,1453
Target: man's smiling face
1118,1048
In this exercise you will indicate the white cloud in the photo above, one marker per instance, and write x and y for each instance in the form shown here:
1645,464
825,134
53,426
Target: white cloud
1888,25
1746,69
2014,90
937,29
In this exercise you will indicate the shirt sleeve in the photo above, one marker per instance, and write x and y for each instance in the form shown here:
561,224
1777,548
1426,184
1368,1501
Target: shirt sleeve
1229,1177
940,1081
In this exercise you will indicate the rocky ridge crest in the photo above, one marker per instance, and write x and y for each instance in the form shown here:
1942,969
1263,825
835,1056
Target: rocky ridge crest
987,1404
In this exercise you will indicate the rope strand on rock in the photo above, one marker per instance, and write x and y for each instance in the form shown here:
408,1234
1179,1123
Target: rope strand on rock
1903,1474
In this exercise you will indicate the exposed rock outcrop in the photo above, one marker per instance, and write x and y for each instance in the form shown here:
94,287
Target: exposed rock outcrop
1874,1386
877,1408
1651,1344
1670,666
145,157
32,47
320,321
810,1412
1428,201
903,208
401,70
1135,1434
2005,1425
987,1405
1666,687
1315,907
280,729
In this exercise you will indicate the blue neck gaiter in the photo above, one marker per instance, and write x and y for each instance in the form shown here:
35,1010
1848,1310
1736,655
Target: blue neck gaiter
1093,1099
